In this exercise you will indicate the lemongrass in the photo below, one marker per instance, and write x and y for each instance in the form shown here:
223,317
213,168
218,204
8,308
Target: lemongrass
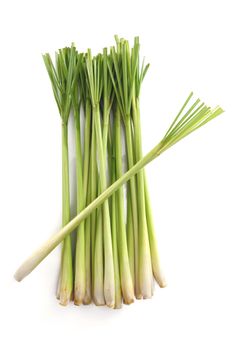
87,194
145,268
80,276
114,209
130,236
93,189
116,254
125,274
62,78
147,210
123,94
86,176
94,70
157,271
66,279
133,201
98,269
88,270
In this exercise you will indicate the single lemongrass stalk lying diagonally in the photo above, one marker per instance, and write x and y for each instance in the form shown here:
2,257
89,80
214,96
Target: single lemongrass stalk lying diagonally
62,79
183,125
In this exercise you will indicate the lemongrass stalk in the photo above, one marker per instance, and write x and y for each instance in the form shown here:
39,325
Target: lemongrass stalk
107,102
106,112
87,141
145,268
98,247
93,185
130,235
90,176
98,266
98,283
112,167
157,271
62,79
109,287
94,73
88,292
133,201
87,196
66,276
170,139
98,251
98,287
118,296
139,77
123,85
98,257
80,275
155,263
125,274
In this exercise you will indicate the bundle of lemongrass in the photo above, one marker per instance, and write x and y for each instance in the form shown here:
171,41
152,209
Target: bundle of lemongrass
116,255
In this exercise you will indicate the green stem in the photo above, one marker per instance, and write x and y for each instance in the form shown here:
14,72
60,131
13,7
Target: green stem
66,277
133,196
130,235
88,293
87,199
152,238
106,116
97,232
149,215
98,287
112,167
98,265
87,141
125,274
99,247
109,287
145,268
93,185
80,278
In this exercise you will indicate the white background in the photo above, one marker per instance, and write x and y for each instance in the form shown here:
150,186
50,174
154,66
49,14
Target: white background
189,46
